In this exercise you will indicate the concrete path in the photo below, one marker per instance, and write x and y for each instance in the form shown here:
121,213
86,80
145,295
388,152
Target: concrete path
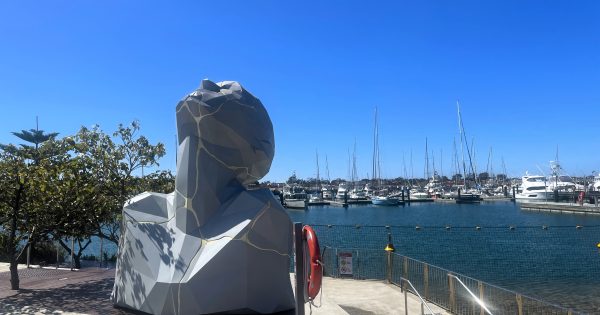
365,297
87,291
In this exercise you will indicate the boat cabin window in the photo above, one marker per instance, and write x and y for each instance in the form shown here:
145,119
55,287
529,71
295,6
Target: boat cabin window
536,179
565,178
536,188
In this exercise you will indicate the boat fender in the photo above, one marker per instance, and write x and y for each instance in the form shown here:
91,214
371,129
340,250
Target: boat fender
315,277
580,198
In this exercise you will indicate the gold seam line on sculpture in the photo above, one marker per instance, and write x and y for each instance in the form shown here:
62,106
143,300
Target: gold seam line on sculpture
197,120
230,167
244,239
260,214
262,249
200,143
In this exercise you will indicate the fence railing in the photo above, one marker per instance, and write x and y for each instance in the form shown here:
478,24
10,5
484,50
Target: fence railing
434,284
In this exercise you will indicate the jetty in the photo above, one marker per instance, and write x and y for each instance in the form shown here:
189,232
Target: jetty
561,207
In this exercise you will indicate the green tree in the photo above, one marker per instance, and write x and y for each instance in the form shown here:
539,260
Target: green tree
23,218
34,136
115,167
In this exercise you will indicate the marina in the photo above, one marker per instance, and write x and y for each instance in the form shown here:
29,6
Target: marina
544,251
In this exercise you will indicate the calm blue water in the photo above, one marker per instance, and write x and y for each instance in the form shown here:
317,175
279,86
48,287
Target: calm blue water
439,214
560,264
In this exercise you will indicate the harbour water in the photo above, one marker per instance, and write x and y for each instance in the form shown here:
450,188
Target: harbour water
550,256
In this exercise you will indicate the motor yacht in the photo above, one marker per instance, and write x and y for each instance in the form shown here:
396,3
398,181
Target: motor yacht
385,201
295,197
342,191
534,187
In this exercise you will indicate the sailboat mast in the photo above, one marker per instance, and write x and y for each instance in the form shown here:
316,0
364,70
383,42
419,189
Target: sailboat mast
318,177
462,151
375,157
426,159
462,131
441,163
327,168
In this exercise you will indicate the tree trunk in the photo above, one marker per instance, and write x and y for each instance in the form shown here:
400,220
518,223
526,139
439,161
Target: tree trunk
12,242
14,274
76,255
77,259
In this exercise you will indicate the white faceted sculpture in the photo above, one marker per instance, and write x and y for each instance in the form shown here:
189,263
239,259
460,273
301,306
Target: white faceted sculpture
212,246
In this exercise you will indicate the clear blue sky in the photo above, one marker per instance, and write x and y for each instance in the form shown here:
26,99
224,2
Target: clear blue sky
527,74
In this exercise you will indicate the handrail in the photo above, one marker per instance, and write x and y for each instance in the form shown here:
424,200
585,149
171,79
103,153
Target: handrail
480,302
417,293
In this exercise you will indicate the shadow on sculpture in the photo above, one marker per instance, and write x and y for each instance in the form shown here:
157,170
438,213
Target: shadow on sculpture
212,246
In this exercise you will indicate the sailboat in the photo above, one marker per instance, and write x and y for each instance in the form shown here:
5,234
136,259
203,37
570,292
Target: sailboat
379,199
318,197
465,197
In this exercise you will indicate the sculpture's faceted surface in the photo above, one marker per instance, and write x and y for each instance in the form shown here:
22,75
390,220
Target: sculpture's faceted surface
212,246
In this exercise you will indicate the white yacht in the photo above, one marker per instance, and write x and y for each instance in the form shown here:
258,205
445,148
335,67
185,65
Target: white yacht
418,194
385,201
561,182
357,194
341,191
534,187
434,186
597,183
294,197
326,193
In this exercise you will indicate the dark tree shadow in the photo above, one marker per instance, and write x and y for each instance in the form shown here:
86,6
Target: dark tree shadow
91,297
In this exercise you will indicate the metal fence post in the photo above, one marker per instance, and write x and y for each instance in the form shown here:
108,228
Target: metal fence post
299,270
480,285
426,280
405,268
72,252
405,300
57,249
520,304
101,252
389,275
452,294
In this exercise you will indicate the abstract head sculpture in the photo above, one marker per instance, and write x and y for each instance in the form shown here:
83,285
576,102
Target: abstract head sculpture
232,125
212,246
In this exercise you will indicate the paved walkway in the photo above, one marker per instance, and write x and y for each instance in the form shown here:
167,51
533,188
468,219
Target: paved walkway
365,297
87,291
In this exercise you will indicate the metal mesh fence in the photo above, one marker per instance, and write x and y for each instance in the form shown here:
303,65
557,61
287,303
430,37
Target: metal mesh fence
555,263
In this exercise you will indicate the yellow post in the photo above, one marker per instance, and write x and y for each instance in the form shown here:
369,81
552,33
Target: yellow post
389,248
520,304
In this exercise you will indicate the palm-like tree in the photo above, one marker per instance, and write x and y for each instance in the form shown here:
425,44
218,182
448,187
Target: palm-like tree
35,136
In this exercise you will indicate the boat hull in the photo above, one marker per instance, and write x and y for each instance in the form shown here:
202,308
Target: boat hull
295,203
468,198
385,201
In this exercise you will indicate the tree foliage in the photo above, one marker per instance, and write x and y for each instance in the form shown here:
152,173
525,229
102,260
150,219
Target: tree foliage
74,187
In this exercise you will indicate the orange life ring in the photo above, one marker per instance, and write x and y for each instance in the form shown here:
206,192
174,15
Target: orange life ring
315,277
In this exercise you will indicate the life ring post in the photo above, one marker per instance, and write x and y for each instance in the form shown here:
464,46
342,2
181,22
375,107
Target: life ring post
299,267
315,277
